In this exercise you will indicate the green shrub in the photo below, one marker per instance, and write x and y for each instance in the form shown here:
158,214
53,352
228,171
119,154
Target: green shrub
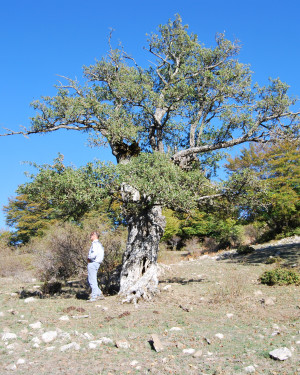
272,260
280,276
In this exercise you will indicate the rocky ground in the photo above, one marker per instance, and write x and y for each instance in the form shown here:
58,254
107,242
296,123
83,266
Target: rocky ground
211,317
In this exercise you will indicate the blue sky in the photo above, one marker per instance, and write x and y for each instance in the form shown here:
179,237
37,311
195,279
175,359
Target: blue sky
40,40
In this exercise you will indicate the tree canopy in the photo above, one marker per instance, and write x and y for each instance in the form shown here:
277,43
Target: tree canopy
168,125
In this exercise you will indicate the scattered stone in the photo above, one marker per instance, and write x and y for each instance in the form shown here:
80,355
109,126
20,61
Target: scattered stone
95,344
13,294
229,315
106,340
30,300
36,325
8,336
11,346
219,336
88,336
157,345
250,369
103,308
1,313
167,287
11,367
275,333
50,348
36,340
133,363
49,336
35,345
189,351
122,344
270,301
72,345
198,354
80,316
64,318
21,361
281,354
298,342
175,329
258,293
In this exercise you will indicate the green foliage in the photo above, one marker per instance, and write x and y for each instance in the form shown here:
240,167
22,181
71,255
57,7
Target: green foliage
279,166
161,182
168,125
29,218
245,249
280,276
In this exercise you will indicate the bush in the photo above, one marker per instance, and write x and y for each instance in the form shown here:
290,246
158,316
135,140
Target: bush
272,260
280,276
63,251
245,249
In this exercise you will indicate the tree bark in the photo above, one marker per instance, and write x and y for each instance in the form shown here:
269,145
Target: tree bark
139,271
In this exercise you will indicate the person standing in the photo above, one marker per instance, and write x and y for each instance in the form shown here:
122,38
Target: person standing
95,258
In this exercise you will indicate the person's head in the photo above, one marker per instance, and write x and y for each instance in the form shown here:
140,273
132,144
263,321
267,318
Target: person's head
94,235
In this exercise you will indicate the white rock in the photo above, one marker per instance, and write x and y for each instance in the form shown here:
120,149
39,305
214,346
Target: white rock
72,345
36,325
103,308
258,293
36,286
88,336
36,340
50,348
122,344
167,287
21,361
106,340
229,315
281,354
298,342
133,363
49,336
1,313
95,344
30,300
175,329
13,294
219,336
64,317
9,336
11,367
35,345
11,346
250,369
188,351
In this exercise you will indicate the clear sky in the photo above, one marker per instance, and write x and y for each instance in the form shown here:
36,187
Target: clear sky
42,39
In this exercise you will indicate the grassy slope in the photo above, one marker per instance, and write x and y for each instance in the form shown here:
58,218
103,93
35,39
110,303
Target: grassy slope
202,293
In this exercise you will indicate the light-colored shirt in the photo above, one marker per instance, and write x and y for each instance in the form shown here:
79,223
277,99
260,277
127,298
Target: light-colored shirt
96,253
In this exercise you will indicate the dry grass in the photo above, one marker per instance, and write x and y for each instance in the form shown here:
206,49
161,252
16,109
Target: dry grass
202,293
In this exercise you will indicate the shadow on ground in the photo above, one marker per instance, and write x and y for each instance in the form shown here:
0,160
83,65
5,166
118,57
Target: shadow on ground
290,253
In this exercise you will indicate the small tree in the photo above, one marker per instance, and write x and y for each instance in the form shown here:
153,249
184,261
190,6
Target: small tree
279,166
166,125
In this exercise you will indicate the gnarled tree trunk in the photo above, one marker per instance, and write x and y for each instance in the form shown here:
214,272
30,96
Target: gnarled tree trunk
139,270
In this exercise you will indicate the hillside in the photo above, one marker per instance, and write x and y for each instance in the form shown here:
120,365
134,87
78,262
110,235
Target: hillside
211,317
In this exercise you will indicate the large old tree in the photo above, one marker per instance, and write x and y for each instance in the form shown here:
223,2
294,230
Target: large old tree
166,125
